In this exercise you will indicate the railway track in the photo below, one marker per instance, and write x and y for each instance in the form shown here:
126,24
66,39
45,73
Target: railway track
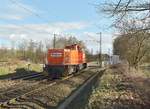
19,93
45,96
35,77
15,94
16,91
28,76
30,79
19,98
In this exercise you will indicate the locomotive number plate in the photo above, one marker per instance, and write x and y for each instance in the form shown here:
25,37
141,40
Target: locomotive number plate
56,54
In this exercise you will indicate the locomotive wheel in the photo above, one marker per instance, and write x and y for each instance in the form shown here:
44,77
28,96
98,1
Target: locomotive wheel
68,70
45,71
77,69
85,65
65,73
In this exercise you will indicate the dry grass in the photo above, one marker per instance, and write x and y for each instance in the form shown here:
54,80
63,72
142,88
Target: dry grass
11,66
121,89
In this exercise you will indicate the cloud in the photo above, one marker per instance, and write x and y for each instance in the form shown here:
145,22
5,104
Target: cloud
42,32
12,17
38,31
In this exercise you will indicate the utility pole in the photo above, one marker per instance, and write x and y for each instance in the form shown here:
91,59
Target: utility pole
109,56
54,41
100,49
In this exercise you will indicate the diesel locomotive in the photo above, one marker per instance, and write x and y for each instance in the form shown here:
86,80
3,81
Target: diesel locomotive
63,62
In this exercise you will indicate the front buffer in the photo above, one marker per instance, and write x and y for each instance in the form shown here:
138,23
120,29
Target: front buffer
54,71
57,71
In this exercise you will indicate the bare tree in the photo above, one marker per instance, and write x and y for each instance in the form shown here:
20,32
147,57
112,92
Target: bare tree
126,9
22,46
13,48
61,42
132,47
48,44
39,52
132,19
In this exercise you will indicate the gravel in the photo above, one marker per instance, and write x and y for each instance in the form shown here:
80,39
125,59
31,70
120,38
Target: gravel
9,84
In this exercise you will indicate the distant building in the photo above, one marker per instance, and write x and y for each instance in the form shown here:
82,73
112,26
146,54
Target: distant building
105,63
114,59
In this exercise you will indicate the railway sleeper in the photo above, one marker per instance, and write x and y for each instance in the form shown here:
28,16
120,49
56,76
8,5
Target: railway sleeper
16,103
26,104
34,100
22,106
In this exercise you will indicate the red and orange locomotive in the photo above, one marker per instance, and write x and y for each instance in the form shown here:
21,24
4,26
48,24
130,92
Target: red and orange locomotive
62,62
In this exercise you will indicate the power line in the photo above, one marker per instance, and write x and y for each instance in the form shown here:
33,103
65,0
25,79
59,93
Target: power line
93,39
29,10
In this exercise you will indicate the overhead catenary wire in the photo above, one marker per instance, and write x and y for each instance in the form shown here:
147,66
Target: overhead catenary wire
32,12
93,39
29,10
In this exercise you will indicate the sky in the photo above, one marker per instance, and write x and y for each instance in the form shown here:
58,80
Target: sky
40,19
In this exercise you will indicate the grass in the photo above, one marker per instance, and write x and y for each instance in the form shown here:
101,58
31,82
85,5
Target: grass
36,67
145,69
146,72
10,68
103,95
4,70
115,91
